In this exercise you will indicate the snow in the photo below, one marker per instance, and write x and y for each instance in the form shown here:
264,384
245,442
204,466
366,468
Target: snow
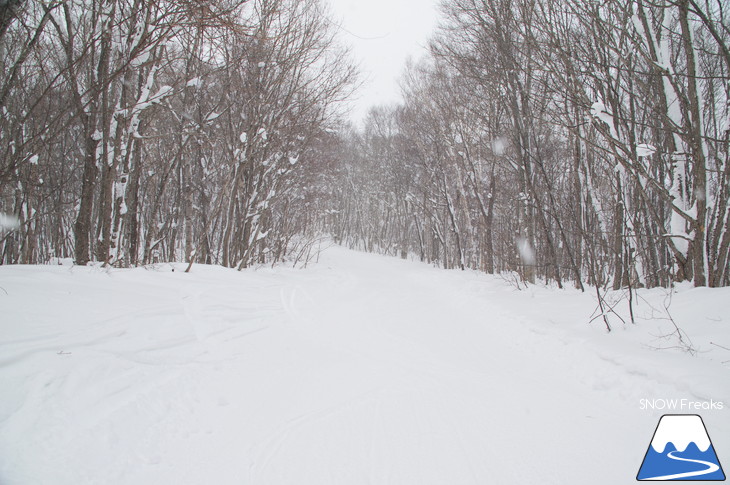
498,146
162,93
527,253
195,82
599,111
359,369
645,150
8,222
141,59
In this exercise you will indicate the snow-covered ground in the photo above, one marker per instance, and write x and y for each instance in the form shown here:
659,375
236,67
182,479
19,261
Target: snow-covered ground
360,369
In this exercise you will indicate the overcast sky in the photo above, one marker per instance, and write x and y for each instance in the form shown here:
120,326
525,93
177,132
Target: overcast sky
383,34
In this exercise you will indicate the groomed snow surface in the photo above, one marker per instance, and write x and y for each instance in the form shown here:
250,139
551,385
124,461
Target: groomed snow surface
360,369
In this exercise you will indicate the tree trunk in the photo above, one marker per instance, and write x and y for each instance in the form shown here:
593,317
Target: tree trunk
82,226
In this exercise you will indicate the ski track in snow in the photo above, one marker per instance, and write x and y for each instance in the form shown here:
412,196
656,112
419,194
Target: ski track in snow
359,370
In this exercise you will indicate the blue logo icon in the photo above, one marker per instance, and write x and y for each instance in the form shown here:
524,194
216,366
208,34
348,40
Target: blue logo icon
681,450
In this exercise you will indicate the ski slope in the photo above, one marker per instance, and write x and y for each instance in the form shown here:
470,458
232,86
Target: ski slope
360,369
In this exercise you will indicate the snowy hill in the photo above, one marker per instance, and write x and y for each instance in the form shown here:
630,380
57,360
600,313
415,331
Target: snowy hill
358,370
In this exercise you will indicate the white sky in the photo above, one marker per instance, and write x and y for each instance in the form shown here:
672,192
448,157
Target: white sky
382,35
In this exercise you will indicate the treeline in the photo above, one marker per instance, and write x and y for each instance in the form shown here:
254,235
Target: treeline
136,131
571,140
576,141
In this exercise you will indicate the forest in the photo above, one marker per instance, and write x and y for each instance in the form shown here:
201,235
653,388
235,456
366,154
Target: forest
575,142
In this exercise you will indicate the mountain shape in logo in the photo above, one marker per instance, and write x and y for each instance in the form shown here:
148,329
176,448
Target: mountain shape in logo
681,450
